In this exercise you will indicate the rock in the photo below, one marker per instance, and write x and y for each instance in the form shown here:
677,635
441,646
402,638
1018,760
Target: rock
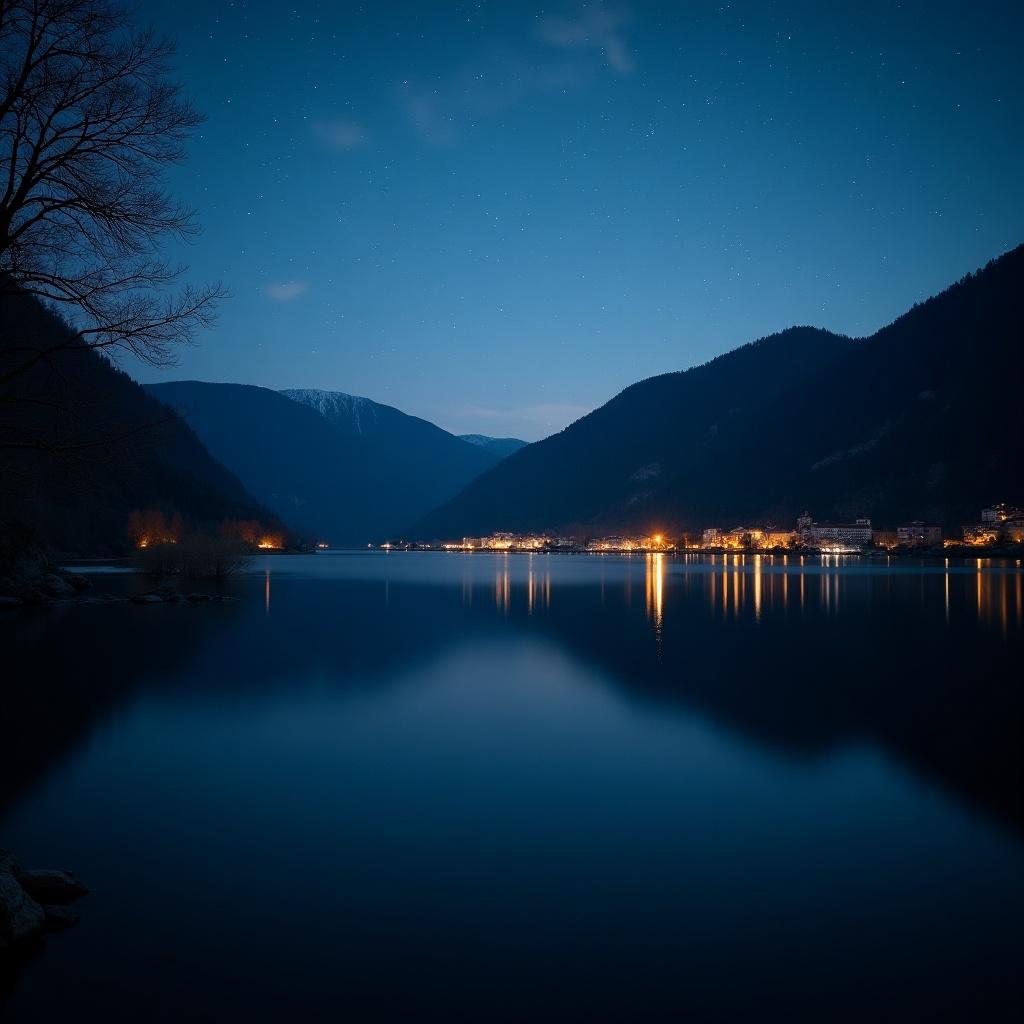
6,601
76,580
21,918
9,863
147,599
31,565
59,918
49,886
52,585
34,597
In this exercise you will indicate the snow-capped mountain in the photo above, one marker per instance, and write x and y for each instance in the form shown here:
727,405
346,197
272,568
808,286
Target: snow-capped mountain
338,407
340,468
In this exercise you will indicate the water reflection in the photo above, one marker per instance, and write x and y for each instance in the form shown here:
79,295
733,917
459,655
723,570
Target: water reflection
741,586
538,584
654,588
507,754
948,623
502,586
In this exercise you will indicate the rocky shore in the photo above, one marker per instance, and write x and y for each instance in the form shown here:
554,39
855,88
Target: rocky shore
34,902
33,581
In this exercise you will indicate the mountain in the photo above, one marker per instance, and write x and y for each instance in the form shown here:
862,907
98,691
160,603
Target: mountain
82,445
503,447
339,467
919,421
353,414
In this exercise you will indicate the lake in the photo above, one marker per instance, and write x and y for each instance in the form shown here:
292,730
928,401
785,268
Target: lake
514,787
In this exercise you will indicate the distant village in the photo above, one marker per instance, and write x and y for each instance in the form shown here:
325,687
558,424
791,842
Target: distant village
997,526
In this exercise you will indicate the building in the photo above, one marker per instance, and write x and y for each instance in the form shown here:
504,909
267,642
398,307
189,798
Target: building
744,538
855,534
778,538
884,538
608,544
832,535
919,535
980,534
999,524
740,538
657,542
1001,513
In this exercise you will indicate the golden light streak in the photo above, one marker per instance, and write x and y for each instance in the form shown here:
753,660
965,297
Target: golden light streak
655,588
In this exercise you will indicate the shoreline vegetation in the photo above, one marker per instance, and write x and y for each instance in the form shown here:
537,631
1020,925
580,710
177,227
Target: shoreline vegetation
31,576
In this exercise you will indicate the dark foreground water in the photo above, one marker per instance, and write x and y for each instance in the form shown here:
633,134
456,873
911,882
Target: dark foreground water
426,786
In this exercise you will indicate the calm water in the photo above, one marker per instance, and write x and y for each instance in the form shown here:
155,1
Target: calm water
427,786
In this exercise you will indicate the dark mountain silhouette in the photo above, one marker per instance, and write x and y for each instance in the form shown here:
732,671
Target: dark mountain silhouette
82,445
340,467
921,420
503,447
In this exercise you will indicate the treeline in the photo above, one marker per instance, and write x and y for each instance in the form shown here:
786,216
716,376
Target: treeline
165,545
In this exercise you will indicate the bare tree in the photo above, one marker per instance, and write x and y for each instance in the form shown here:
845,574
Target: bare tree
89,123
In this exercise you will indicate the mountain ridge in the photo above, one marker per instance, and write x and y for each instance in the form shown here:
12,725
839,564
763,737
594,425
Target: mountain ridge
882,426
328,403
337,466
500,446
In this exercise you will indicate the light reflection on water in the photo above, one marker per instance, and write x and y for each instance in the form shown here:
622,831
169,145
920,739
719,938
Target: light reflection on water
989,591
396,785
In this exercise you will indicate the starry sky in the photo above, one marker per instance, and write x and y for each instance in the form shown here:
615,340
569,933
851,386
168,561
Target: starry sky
496,216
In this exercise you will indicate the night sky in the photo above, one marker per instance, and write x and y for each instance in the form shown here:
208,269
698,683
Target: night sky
497,216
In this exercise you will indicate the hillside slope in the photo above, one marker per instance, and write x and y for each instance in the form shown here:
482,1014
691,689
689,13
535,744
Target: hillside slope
921,420
339,467
503,447
98,446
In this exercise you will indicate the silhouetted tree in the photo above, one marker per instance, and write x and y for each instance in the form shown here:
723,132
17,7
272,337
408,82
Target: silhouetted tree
89,123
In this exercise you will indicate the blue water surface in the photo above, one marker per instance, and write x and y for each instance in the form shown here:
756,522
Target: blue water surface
426,786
